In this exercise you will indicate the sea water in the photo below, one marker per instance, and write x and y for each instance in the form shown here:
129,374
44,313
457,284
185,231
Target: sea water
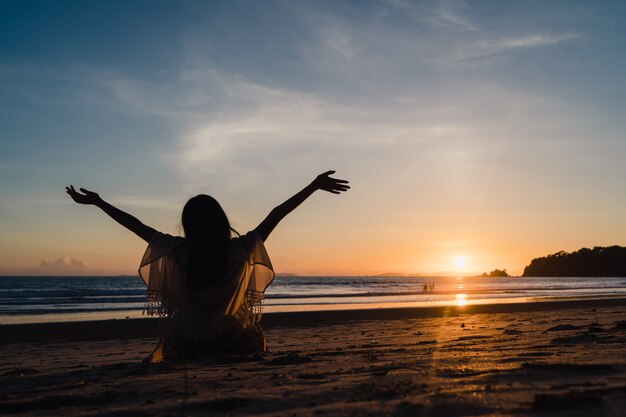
36,299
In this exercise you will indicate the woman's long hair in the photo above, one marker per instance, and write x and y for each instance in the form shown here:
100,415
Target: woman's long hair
207,232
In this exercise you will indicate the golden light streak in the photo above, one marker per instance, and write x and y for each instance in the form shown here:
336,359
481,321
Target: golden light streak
460,300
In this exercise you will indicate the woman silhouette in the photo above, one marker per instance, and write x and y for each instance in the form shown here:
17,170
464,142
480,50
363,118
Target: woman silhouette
208,285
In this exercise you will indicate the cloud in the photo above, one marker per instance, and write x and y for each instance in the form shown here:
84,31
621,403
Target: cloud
271,128
161,203
339,40
65,264
487,47
409,116
454,34
449,16
262,129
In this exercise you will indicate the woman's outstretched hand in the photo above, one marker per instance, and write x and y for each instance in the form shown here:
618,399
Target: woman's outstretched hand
130,222
321,182
332,185
88,197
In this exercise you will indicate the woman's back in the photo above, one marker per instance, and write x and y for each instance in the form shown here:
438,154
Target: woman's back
223,315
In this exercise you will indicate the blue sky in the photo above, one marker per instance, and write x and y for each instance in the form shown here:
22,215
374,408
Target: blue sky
488,130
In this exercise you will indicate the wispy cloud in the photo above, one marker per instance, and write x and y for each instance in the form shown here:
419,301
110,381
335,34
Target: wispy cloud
263,128
487,47
164,101
235,132
245,126
257,129
338,39
448,14
161,203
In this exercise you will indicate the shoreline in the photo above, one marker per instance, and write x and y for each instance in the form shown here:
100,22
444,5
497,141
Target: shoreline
268,308
136,328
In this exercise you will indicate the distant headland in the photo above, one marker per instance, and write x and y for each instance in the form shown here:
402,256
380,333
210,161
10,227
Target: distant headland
609,261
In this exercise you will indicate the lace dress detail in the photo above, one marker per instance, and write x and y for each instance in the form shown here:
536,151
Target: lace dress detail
223,317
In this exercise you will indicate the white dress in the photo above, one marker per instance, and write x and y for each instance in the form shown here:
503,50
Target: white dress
221,317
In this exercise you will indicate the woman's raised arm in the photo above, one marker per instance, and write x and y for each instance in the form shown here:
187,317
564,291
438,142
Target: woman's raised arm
131,223
322,182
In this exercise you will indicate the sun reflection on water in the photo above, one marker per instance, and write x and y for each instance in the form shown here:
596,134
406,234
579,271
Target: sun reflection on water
460,300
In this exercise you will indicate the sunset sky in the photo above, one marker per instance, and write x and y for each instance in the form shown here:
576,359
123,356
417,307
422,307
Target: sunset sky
476,135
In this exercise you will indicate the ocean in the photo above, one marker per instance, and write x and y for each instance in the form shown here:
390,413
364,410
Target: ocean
39,299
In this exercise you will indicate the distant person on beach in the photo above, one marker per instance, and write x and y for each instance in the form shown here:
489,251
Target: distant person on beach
208,284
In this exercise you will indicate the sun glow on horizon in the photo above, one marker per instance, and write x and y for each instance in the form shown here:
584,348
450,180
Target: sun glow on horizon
459,262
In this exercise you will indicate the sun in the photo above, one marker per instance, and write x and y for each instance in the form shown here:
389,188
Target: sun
459,262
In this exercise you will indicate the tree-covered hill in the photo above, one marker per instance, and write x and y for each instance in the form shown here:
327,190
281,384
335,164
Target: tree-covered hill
600,261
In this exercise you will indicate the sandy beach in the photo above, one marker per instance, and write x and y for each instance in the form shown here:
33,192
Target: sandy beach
550,358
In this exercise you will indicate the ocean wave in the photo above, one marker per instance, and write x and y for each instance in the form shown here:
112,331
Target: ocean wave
58,295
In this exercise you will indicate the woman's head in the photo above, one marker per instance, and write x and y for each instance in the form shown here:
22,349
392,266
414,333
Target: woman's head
207,231
204,219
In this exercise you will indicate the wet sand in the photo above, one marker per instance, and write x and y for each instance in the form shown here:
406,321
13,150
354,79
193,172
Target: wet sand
532,359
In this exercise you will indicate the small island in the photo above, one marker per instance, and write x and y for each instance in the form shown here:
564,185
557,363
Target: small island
495,273
609,261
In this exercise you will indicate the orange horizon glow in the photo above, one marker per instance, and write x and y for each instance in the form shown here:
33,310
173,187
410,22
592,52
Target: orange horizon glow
118,253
